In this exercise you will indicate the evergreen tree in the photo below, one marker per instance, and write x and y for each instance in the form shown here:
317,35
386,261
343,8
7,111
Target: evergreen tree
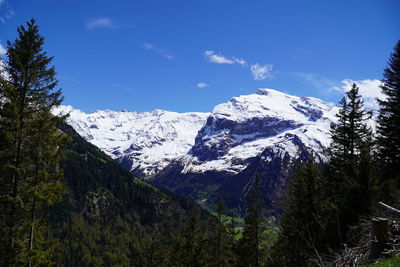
250,247
30,146
221,244
351,132
301,235
348,187
232,241
189,251
388,128
152,250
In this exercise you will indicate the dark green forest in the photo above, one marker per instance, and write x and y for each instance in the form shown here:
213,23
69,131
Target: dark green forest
63,202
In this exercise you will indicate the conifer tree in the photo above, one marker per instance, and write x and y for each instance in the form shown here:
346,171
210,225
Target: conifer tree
190,250
250,247
388,128
301,235
232,241
221,244
351,132
347,187
30,146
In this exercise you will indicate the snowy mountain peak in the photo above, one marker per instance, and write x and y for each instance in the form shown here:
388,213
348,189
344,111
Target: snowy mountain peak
245,126
269,91
272,103
144,142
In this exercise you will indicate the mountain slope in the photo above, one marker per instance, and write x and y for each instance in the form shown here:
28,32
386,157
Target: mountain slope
107,213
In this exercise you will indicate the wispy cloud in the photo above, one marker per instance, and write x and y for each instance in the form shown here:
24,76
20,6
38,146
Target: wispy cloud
240,61
368,89
258,71
6,11
213,57
218,59
316,81
160,51
202,85
99,23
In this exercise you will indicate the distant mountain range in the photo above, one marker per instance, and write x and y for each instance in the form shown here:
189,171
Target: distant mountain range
144,142
210,155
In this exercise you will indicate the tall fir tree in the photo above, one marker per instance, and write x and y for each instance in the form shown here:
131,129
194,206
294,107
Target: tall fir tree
350,134
347,186
302,234
189,251
220,242
30,147
388,128
250,249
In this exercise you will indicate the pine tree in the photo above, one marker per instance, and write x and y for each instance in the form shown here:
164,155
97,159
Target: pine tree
388,128
220,243
30,147
302,234
347,188
190,249
232,241
250,247
351,132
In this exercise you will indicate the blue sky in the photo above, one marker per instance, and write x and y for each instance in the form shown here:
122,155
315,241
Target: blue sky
191,55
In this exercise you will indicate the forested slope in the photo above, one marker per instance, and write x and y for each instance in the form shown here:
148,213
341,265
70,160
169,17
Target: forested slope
108,216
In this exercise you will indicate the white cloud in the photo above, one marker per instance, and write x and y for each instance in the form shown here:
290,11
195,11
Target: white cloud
261,72
240,61
202,85
99,23
218,59
160,51
368,89
3,51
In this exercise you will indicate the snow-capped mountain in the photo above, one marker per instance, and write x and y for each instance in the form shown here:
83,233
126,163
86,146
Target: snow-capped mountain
144,142
210,155
264,133
245,126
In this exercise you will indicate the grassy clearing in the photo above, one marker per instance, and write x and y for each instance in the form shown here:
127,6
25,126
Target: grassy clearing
391,262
